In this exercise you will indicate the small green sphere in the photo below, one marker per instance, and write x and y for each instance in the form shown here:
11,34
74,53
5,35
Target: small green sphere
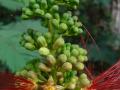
51,59
75,52
44,51
55,7
32,1
67,66
28,12
83,76
79,66
62,58
35,6
72,59
48,16
39,12
81,58
55,22
63,26
29,46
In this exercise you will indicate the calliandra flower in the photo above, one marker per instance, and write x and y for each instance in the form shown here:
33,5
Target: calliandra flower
10,81
109,80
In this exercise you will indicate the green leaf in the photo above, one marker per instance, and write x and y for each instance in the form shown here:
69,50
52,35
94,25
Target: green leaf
10,51
13,4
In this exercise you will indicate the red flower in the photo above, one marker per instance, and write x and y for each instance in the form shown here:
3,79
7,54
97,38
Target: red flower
109,80
12,82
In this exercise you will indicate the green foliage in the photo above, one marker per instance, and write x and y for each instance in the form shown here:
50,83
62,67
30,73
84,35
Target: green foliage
10,51
11,4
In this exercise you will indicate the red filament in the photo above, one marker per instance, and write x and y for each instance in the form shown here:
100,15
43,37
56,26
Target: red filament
109,80
11,82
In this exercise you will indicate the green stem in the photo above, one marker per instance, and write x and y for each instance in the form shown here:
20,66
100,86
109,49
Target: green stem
49,26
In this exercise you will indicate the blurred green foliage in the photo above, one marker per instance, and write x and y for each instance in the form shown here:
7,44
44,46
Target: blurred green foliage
95,15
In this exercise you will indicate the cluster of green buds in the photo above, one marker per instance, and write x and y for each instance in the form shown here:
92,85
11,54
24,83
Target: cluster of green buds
67,24
44,43
72,56
42,7
64,62
60,63
64,23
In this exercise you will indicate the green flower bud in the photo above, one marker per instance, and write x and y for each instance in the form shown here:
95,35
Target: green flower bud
55,22
75,46
77,1
36,6
44,4
23,72
28,12
29,46
75,18
74,79
80,30
66,16
58,43
68,46
81,58
84,82
32,1
83,76
28,38
67,66
71,86
75,52
85,58
57,16
75,29
48,16
42,41
55,8
43,67
82,51
78,24
71,21
79,66
62,58
32,75
67,53
39,12
72,59
24,16
63,26
51,59
48,37
44,51
24,9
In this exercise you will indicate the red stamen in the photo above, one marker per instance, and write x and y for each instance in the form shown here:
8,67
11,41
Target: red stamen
11,82
109,80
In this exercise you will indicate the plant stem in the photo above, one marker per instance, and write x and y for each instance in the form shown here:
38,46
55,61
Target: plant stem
49,26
